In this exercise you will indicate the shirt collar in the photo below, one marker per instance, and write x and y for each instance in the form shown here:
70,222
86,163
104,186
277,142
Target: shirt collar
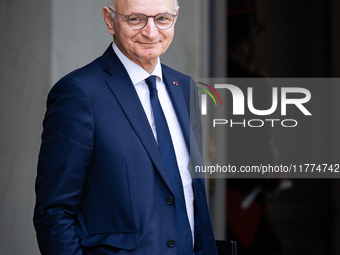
136,72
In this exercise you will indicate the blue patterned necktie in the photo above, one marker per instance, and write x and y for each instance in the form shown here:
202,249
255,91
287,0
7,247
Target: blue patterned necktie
166,149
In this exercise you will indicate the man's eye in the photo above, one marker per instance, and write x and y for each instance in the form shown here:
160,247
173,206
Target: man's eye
163,18
136,19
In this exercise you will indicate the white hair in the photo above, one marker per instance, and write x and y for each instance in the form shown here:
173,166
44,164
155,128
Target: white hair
111,4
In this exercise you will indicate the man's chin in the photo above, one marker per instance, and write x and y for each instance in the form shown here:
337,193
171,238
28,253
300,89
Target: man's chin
150,54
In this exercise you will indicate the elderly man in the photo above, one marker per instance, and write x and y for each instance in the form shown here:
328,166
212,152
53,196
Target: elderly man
113,171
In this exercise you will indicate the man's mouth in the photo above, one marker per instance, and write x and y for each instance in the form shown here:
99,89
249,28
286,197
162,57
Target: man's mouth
149,43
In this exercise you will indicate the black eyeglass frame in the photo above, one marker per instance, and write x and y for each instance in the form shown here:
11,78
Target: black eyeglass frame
147,19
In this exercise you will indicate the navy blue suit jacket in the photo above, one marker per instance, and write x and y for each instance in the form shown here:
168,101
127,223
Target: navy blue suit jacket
101,185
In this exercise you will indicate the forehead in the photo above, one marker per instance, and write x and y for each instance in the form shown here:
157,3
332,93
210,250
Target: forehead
144,6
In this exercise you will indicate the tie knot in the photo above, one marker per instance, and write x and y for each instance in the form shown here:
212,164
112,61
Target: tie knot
151,82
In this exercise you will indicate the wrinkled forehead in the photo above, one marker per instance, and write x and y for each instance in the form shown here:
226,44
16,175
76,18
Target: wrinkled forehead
144,6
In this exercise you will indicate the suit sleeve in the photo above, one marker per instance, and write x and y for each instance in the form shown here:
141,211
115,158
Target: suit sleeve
195,113
64,159
195,133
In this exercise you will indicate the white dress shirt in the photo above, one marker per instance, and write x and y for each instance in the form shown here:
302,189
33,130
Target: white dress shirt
138,75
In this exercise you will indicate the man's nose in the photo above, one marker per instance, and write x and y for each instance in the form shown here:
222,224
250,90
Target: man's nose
150,30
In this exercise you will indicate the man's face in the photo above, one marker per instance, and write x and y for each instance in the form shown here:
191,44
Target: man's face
142,46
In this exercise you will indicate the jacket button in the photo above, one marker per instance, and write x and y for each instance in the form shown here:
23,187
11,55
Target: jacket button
169,200
171,243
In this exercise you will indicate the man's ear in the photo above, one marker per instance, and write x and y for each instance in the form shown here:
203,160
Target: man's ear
177,13
177,10
108,20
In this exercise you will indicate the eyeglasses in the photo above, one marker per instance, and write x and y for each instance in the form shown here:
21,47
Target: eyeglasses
138,21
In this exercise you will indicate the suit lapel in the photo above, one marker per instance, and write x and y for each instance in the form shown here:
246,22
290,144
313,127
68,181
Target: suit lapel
180,105
174,89
125,93
182,112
